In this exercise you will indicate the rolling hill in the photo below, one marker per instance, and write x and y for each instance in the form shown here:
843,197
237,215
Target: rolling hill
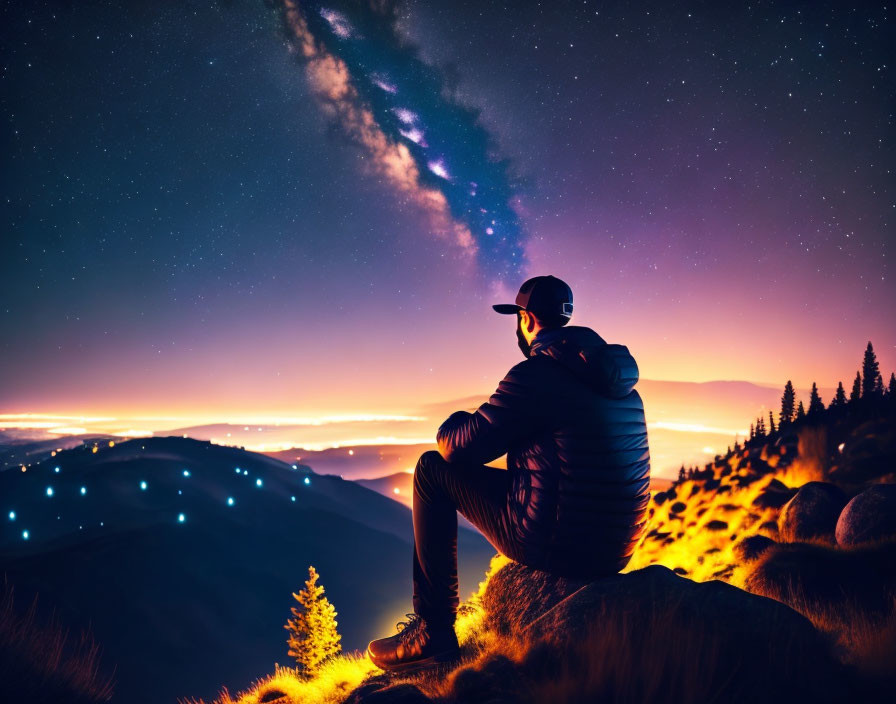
181,557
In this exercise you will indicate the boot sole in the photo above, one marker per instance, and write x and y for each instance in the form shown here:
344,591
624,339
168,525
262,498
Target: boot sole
433,661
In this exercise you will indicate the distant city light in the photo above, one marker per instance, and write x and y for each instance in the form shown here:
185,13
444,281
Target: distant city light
25,534
83,490
56,469
181,518
396,490
351,452
230,501
258,482
293,498
307,480
186,472
12,515
237,470
246,472
49,491
143,486
295,466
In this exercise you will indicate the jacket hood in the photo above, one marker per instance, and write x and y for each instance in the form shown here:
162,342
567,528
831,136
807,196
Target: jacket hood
608,369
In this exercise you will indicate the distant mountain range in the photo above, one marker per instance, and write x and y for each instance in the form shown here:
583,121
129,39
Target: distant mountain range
688,423
181,556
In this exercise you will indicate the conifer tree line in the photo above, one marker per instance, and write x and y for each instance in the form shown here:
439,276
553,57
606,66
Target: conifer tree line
867,388
869,398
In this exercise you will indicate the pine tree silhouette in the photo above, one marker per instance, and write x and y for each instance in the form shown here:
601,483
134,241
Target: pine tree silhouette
816,405
839,400
681,474
870,373
891,387
760,427
787,404
313,637
856,392
752,432
800,412
771,424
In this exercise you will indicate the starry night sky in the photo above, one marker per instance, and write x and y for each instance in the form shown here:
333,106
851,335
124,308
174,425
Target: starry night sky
210,210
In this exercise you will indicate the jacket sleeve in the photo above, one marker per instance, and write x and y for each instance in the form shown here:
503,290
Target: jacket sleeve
512,411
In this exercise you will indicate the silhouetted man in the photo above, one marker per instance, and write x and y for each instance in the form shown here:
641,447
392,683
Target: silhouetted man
573,499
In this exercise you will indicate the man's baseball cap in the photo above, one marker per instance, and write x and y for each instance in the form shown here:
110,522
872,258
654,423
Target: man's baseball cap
548,297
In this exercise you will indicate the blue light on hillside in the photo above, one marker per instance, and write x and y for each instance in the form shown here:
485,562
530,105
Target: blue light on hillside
12,515
258,482
246,472
181,518
56,469
307,480
83,490
49,491
295,467
230,501
179,492
25,535
143,486
186,472
237,470
293,498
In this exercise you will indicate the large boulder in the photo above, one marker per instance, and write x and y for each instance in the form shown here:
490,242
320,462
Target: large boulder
651,635
869,516
812,512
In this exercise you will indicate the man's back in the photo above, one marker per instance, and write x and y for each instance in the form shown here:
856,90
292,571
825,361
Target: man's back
575,435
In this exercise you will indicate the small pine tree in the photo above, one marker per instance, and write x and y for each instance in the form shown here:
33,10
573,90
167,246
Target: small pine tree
787,404
891,388
752,432
313,637
816,405
760,427
870,373
681,474
800,412
856,392
771,423
839,400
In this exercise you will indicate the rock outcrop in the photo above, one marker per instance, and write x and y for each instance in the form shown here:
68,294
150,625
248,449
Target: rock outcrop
745,647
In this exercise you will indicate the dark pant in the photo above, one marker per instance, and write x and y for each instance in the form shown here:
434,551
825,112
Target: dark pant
481,493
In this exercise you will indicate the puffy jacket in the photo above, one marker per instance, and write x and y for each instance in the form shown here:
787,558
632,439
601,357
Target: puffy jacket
574,431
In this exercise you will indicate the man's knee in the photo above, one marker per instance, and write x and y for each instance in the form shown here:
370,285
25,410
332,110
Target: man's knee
428,463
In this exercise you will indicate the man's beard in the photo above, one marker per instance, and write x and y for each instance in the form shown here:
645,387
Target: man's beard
521,341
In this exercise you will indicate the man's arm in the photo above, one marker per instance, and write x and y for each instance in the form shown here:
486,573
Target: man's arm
513,411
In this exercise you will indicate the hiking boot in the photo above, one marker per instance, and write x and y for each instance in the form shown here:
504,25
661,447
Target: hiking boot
417,645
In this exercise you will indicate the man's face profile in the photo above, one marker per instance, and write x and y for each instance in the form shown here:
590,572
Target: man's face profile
521,340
